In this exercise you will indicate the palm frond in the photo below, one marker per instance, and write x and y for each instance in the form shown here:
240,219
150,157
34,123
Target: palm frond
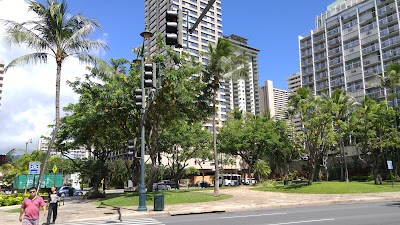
18,34
85,46
33,58
96,62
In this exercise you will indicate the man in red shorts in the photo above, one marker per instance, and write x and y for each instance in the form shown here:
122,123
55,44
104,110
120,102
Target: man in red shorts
30,208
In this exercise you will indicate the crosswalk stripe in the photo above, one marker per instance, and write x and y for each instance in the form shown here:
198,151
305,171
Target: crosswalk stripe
142,221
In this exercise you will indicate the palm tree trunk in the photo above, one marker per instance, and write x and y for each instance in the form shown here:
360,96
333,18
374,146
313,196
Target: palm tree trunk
55,131
216,174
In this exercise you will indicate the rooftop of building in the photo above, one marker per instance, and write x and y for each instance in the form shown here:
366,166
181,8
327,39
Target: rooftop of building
239,40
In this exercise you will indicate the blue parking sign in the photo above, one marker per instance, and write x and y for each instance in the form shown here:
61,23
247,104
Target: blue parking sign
34,167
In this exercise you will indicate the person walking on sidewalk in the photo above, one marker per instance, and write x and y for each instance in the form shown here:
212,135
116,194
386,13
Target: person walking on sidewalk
30,208
54,197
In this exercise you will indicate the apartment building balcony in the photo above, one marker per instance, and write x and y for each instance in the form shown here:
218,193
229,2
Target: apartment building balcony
305,43
337,81
390,31
319,47
372,71
321,86
334,42
353,75
368,17
351,35
306,52
379,3
334,51
388,20
352,50
333,32
319,57
391,54
336,71
332,23
307,71
370,49
306,62
387,9
355,87
308,80
394,41
319,38
335,61
352,65
320,66
376,94
371,60
352,56
321,75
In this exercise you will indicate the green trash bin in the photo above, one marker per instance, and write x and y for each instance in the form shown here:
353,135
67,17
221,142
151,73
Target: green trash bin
158,202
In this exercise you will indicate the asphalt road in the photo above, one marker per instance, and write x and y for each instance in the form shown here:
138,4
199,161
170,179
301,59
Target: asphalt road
377,213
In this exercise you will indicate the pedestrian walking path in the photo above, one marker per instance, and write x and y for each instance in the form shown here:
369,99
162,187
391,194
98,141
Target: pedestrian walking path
78,210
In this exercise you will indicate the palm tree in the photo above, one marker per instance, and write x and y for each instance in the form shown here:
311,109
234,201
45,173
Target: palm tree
224,62
53,34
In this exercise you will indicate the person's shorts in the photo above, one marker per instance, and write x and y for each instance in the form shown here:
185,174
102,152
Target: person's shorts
30,221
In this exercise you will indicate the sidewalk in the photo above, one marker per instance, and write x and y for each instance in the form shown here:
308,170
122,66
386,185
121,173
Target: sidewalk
77,209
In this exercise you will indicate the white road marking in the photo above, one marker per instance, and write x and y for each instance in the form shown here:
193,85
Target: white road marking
304,221
244,216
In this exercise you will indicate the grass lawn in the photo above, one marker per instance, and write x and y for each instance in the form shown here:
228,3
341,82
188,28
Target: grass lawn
331,187
170,197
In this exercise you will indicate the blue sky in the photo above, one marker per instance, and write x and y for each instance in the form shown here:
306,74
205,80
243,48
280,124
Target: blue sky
27,104
270,26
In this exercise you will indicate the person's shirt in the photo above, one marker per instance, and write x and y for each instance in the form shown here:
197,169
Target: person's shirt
31,207
53,197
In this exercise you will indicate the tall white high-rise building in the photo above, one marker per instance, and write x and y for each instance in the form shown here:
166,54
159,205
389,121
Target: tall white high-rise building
294,82
80,152
353,41
273,100
1,80
243,93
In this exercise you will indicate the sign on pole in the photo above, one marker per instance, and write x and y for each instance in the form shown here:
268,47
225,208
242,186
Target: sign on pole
389,164
34,167
55,169
30,180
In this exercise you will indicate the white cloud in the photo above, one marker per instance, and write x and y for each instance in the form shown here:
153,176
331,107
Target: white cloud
28,98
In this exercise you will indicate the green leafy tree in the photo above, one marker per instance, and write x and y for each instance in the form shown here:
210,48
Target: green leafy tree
251,137
391,81
224,62
182,142
345,106
54,33
374,134
317,131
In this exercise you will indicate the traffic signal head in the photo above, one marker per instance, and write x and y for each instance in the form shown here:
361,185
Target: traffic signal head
150,77
3,159
174,28
131,145
138,99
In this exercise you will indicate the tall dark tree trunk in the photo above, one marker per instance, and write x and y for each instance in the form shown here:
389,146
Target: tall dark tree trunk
325,164
344,160
56,128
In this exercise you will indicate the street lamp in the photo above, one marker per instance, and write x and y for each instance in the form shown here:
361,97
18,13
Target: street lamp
26,144
142,188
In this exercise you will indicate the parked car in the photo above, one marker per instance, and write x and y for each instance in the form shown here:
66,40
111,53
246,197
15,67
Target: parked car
68,191
161,186
246,181
171,183
203,184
